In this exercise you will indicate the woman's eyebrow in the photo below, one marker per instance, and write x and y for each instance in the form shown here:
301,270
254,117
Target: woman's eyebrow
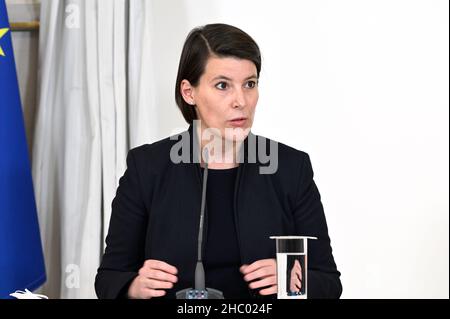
223,77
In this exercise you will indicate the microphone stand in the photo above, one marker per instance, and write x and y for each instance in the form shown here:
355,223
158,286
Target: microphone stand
199,291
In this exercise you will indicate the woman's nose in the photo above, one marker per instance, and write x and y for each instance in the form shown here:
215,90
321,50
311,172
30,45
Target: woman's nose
239,101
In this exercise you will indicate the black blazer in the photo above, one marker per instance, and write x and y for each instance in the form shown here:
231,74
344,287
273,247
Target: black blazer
155,215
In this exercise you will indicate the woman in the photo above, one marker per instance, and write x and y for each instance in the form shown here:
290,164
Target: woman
153,235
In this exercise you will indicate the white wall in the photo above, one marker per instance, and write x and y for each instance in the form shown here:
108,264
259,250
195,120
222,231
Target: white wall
362,86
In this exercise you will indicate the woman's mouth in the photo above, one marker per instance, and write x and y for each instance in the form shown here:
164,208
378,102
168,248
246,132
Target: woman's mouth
238,122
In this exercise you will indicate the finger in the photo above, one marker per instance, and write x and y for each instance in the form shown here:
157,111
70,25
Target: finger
260,273
298,284
296,276
258,264
151,293
298,273
243,267
157,284
269,291
158,275
268,281
299,269
161,265
292,287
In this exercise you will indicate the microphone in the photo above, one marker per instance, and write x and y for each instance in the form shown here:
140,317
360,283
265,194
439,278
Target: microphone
199,291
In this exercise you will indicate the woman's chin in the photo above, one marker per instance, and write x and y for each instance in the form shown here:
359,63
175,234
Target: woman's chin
236,134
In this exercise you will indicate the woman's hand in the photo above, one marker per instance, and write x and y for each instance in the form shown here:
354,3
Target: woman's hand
260,274
153,276
296,277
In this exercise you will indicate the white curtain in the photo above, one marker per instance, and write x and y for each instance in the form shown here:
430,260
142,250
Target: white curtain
96,101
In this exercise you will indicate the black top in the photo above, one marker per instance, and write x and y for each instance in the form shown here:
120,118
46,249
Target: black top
222,257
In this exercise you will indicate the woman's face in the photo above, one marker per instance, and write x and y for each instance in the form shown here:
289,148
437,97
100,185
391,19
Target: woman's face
226,96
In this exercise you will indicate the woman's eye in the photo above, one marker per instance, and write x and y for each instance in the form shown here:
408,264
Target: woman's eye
221,85
251,84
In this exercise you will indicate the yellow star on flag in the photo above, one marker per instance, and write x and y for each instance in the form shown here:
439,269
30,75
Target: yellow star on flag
2,33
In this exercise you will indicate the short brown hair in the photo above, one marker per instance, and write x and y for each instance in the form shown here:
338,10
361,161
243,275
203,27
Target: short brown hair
217,39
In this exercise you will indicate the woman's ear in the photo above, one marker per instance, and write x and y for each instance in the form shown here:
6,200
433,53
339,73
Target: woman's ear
187,92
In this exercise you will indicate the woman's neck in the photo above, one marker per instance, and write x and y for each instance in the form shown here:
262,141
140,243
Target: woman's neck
222,153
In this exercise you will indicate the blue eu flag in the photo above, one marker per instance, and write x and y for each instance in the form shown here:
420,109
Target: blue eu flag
21,259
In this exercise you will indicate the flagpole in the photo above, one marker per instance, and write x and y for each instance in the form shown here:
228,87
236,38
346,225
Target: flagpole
25,26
